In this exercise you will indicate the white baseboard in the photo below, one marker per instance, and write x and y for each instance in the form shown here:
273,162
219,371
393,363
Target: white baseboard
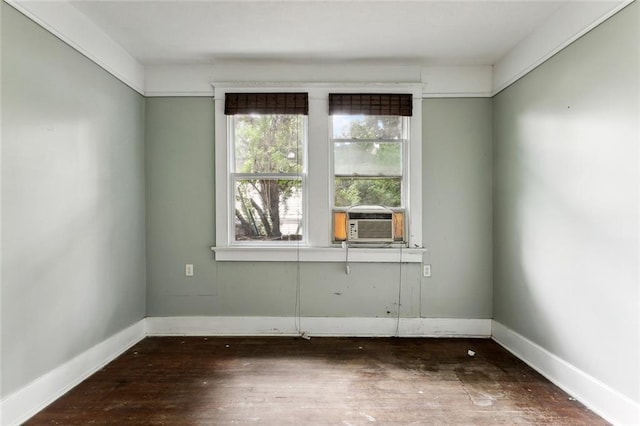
597,396
26,402
317,326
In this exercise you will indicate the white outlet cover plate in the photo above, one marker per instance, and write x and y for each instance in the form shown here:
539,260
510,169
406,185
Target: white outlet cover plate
427,270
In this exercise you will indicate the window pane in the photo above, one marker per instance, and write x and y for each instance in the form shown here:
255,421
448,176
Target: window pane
268,209
354,191
368,158
367,127
270,143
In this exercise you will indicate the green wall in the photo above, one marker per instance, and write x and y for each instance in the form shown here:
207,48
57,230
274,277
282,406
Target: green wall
180,229
457,207
77,176
566,219
73,260
550,250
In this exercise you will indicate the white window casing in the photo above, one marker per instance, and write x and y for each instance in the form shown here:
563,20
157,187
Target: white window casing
317,181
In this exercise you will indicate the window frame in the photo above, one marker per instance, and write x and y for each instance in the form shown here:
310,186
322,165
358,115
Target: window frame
234,176
317,182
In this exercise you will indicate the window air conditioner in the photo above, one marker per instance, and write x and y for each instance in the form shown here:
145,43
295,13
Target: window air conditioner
368,224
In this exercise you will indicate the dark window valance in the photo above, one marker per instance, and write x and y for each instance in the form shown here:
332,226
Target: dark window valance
370,104
266,103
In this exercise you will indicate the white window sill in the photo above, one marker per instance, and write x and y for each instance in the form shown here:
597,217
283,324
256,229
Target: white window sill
319,254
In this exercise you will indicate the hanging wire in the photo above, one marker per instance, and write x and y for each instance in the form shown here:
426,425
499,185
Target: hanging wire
297,310
399,295
347,269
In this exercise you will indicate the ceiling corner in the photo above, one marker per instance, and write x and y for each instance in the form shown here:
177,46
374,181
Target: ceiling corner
64,21
570,22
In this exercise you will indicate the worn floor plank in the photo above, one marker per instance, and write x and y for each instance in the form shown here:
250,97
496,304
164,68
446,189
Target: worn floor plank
336,381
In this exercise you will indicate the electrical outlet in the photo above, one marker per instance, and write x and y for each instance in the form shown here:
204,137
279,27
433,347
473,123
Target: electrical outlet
426,271
188,269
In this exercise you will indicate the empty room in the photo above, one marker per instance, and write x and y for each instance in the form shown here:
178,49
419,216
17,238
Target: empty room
320,212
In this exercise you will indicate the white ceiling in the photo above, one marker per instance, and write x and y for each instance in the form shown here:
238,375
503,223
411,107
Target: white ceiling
338,31
451,48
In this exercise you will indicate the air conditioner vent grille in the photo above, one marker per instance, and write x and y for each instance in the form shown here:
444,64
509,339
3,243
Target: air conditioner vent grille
374,229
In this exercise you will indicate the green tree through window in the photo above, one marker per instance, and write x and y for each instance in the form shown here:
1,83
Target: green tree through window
268,151
368,157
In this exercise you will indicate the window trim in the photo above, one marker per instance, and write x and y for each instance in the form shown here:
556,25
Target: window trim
319,246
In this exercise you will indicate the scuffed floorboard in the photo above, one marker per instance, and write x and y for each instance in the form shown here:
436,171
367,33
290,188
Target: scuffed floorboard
333,381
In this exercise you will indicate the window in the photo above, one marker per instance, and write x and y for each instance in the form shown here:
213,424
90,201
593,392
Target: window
368,159
287,154
267,139
369,136
369,140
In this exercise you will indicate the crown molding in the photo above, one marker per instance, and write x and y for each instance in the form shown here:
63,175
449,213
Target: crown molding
571,21
64,21
436,81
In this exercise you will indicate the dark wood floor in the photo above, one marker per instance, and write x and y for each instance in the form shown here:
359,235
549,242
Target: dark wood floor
334,381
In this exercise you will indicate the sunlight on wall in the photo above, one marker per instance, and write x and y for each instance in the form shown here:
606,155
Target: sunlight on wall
578,222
